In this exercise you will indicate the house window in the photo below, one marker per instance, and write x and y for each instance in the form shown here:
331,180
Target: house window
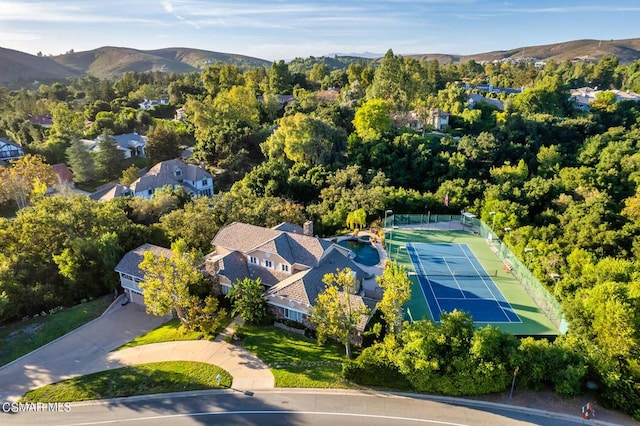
268,264
205,181
178,172
285,268
253,260
150,191
293,315
225,288
138,280
127,277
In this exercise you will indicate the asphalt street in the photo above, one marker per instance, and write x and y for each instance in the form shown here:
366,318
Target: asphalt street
287,407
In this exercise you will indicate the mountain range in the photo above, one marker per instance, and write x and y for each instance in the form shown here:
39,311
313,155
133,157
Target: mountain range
19,68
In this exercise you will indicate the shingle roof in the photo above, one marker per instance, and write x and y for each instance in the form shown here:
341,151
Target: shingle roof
130,261
232,265
305,286
110,193
289,227
163,174
65,175
294,248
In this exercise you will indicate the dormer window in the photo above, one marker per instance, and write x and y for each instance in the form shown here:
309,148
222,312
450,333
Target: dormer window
177,173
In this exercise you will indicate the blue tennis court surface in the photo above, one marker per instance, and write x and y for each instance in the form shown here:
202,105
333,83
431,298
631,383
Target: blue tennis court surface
451,278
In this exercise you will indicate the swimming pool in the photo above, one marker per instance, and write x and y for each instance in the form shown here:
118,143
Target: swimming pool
365,253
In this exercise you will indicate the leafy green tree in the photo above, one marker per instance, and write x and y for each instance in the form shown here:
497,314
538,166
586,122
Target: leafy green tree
194,223
247,299
387,82
396,288
372,120
357,218
163,143
81,162
336,312
280,79
129,175
166,282
17,182
305,140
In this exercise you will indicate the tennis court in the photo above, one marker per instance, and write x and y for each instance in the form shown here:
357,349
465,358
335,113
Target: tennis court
451,277
519,314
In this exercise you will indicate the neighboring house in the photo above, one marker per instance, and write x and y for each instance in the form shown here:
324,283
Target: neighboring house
64,174
110,192
41,120
289,263
151,103
174,173
475,99
195,180
438,119
130,273
10,150
585,95
130,144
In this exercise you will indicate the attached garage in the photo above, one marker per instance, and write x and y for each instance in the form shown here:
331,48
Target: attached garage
130,272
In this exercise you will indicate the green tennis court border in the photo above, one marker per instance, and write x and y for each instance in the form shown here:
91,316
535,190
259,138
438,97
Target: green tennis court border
534,321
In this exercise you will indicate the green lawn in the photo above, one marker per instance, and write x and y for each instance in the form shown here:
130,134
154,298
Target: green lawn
296,361
143,379
167,332
21,337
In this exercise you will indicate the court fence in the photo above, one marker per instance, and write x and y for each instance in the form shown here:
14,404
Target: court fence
547,303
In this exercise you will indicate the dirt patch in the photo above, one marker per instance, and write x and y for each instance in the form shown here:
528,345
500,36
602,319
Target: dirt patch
549,401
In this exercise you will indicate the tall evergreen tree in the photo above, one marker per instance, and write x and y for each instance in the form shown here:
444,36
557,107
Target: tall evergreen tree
108,158
81,162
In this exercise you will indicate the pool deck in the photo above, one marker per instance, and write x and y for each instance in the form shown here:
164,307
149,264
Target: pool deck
370,286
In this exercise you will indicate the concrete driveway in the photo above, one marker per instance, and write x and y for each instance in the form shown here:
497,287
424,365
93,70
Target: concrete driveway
88,350
79,352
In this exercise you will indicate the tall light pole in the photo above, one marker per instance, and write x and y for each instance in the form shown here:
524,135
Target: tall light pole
386,212
493,221
384,225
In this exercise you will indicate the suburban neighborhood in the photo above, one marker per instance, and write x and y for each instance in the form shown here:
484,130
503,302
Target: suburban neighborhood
231,236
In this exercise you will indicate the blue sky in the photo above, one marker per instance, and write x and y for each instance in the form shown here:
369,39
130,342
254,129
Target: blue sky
285,29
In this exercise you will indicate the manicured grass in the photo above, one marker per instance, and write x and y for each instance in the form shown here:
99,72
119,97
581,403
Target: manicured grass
296,361
167,332
21,337
143,379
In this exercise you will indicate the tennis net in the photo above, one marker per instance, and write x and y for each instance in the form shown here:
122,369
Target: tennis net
461,274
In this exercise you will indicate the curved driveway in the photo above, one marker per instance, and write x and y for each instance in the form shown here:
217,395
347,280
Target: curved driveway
88,350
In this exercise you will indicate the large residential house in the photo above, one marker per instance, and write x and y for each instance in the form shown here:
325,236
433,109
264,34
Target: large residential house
422,119
130,144
10,150
130,273
585,95
195,180
291,265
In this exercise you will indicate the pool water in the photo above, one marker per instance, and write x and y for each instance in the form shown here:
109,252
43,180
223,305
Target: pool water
365,253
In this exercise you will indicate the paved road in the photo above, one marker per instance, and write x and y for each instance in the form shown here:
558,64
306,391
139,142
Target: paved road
88,350
290,407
